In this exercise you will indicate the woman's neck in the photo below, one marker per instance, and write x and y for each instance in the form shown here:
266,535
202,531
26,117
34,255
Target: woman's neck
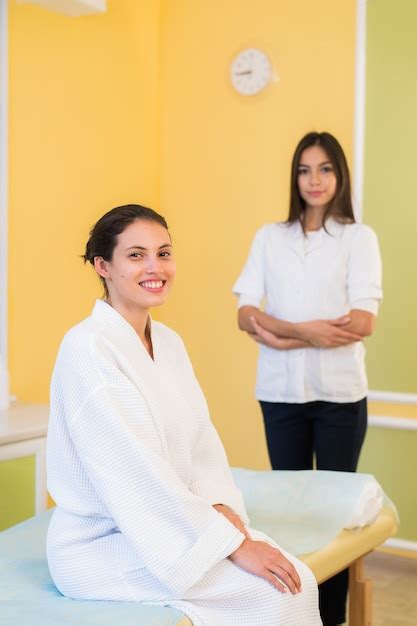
313,218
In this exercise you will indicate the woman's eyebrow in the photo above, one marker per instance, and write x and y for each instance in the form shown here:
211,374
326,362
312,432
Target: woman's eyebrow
320,164
164,245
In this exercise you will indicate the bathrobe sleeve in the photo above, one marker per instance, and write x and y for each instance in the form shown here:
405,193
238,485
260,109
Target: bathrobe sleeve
212,478
177,535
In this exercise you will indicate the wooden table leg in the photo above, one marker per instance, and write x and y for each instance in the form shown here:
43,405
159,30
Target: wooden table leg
360,596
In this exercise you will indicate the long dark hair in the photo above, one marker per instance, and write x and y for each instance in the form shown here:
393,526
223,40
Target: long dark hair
340,206
103,235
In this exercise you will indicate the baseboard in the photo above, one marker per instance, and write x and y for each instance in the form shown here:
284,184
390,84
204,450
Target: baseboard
392,397
400,547
396,423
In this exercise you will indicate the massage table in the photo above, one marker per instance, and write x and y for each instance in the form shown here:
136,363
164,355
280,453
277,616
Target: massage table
28,596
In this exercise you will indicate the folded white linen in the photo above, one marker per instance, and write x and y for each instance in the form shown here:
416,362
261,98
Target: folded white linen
367,506
304,510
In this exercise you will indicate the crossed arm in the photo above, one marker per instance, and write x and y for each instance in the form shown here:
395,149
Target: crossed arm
283,335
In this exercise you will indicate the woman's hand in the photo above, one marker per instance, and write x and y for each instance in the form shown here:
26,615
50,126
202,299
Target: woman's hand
327,333
261,559
233,518
267,338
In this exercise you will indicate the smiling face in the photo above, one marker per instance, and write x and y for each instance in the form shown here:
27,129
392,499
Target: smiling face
142,268
317,181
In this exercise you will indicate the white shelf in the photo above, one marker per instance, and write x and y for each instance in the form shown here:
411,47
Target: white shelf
74,8
23,421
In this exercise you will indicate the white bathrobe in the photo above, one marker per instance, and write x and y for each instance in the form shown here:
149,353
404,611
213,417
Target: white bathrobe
134,466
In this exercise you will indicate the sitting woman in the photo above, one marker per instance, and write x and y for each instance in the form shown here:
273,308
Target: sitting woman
147,510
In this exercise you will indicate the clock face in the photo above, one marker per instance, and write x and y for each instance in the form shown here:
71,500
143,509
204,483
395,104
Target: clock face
250,71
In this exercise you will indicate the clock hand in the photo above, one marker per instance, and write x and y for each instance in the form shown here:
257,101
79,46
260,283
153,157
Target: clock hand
244,73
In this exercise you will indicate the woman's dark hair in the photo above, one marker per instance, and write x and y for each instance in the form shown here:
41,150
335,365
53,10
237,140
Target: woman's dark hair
103,235
341,206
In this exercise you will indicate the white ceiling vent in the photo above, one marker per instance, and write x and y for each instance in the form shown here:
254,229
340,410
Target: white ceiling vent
71,7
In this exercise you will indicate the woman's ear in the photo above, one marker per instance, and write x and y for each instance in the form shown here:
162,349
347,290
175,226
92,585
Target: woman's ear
101,267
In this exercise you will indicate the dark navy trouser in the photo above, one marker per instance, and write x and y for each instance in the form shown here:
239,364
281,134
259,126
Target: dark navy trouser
331,432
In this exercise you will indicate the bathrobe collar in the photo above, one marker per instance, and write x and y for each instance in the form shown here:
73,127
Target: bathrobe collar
121,331
146,374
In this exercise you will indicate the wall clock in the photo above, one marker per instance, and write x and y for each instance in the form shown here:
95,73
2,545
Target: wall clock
250,71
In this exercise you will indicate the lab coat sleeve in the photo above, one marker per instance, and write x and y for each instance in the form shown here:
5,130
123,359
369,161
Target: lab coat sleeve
364,271
177,536
250,286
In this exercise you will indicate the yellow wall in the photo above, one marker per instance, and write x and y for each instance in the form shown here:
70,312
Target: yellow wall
225,169
83,126
135,105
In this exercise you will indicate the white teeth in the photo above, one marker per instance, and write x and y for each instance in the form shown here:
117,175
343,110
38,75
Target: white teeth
152,284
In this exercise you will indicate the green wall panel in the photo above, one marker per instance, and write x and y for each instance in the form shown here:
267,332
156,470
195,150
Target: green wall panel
390,205
390,455
17,490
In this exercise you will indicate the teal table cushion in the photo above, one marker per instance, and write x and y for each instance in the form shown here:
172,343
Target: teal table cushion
301,511
28,597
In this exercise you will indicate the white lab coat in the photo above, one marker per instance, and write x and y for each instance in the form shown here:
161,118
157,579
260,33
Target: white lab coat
134,465
320,276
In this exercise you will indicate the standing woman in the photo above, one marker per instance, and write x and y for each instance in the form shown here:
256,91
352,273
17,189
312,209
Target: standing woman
147,510
320,275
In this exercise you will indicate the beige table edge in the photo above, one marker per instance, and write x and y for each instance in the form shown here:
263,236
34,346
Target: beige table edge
350,545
